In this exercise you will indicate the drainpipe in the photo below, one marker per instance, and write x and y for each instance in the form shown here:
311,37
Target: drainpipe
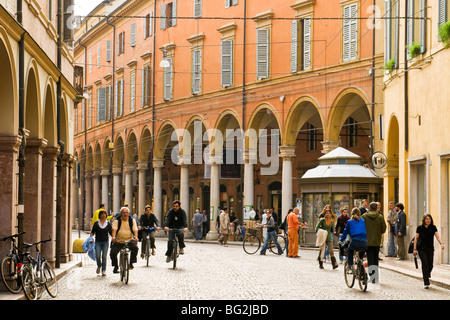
111,111
153,103
81,223
21,157
244,102
406,81
373,82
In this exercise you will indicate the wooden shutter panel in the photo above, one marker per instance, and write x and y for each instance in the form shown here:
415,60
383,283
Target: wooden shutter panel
102,104
197,8
174,13
443,7
108,50
397,33
227,63
306,44
423,26
133,34
262,54
122,96
354,32
346,35
294,46
168,81
116,99
410,23
234,2
163,17
133,92
196,74
388,29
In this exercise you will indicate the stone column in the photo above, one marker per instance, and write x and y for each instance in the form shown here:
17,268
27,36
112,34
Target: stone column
88,200
33,190
158,164
129,171
105,188
329,146
95,189
48,201
142,196
184,188
249,178
214,198
288,154
65,226
9,150
117,175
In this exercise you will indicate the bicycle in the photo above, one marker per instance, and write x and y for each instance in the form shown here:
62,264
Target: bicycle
124,262
175,252
37,273
240,232
358,270
11,265
147,243
252,242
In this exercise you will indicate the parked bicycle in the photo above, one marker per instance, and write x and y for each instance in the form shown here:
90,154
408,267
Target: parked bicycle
11,265
38,273
147,243
357,271
239,235
253,241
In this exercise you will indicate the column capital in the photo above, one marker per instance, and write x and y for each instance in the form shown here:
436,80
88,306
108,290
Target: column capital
251,156
329,146
96,172
88,174
142,165
287,152
158,163
10,143
117,170
51,152
130,168
104,172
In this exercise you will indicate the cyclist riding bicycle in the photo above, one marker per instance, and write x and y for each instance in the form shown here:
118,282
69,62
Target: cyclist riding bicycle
356,229
148,220
124,229
176,219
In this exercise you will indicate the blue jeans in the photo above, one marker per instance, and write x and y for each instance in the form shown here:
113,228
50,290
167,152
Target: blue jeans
273,235
101,251
392,247
356,245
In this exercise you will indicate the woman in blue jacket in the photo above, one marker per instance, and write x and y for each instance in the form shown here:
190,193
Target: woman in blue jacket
356,229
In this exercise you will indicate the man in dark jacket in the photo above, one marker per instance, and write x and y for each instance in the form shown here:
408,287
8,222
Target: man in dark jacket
400,228
375,227
176,219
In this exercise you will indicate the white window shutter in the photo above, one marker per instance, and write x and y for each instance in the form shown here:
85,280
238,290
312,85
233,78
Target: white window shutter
99,57
227,3
262,54
294,46
410,23
116,99
108,50
346,35
122,96
443,7
168,79
197,8
143,93
163,17
150,25
388,29
133,34
227,63
234,2
174,13
354,32
196,71
306,44
133,92
109,103
101,104
397,32
423,26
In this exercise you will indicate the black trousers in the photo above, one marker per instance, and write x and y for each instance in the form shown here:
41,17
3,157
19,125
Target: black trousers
372,263
426,257
115,249
170,242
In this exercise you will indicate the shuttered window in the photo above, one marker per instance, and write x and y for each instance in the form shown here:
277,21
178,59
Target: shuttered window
443,13
108,50
197,8
168,15
102,104
132,92
300,45
229,3
196,71
350,33
262,53
146,85
168,80
133,34
416,23
392,12
148,25
227,63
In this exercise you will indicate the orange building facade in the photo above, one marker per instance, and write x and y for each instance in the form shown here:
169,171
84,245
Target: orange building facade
296,78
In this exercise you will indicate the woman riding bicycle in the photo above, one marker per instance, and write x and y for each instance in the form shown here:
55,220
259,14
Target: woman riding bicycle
356,229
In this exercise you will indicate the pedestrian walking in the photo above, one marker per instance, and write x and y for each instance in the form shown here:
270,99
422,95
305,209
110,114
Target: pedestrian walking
272,231
224,227
375,227
424,247
205,229
392,241
400,227
293,227
101,230
197,221
326,224
340,225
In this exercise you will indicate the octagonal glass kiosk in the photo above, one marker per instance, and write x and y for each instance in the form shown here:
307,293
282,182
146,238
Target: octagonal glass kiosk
339,180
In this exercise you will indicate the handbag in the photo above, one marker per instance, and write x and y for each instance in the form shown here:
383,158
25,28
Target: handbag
411,245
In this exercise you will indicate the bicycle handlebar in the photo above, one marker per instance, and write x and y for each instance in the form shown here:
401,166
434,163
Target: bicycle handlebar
12,236
149,229
36,243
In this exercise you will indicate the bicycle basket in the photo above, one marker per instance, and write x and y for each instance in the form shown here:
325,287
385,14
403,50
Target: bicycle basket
253,231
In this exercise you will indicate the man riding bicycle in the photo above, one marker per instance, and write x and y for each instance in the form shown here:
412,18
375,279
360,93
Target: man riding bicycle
124,229
148,220
176,219
356,229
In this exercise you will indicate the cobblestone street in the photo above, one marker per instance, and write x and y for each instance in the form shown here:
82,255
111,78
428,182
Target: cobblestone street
212,272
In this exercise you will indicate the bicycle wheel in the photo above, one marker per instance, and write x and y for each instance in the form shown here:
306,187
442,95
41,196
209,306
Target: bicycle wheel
251,244
51,282
125,269
175,253
10,275
281,241
147,251
30,289
349,275
362,277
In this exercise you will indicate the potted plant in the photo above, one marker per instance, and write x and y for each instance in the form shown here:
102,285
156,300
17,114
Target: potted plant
390,65
444,34
413,50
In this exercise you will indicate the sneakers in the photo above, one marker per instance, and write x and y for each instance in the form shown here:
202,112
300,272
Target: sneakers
182,251
153,251
116,270
168,259
104,273
98,270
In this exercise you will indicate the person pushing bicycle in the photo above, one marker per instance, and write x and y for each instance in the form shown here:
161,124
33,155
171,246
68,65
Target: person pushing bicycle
124,229
176,219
